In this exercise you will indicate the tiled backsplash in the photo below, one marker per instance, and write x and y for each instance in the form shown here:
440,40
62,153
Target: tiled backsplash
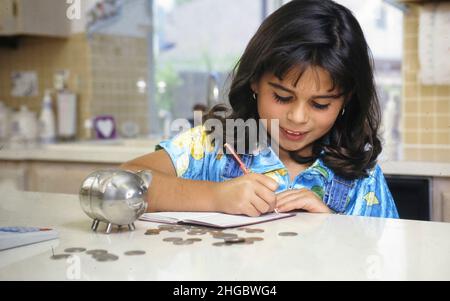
104,72
118,64
426,109
46,56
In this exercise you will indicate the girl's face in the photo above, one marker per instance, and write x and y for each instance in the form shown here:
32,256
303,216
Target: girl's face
306,111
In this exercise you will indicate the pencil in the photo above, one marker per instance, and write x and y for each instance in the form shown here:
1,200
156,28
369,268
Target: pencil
236,157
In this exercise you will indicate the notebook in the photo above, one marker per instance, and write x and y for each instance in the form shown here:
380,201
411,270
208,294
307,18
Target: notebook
210,219
11,237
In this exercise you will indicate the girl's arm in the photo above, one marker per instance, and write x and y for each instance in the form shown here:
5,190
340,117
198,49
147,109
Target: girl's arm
167,192
252,194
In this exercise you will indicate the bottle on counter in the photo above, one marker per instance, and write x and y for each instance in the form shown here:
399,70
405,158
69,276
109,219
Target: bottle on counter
66,103
24,128
4,123
47,128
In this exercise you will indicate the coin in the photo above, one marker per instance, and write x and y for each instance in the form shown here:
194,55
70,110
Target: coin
74,250
183,242
254,238
194,239
242,229
196,232
176,230
172,239
96,251
106,257
60,256
254,230
152,231
234,240
224,235
220,244
134,252
288,234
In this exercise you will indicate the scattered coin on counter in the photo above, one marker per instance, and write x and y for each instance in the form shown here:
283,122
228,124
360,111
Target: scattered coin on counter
288,234
75,250
105,257
96,251
254,231
60,256
254,238
134,252
197,232
223,235
234,240
194,239
176,230
183,242
221,244
172,239
152,231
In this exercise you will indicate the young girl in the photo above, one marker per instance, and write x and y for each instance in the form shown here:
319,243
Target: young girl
308,67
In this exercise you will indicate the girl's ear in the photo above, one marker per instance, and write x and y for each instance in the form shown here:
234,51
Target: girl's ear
254,87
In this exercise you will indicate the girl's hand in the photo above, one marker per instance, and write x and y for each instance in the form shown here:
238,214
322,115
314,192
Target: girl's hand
252,195
300,199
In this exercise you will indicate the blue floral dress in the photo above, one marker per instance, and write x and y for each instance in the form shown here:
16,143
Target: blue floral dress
195,157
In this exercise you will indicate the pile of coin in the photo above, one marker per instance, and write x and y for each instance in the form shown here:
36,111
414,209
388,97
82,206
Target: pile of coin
99,255
226,238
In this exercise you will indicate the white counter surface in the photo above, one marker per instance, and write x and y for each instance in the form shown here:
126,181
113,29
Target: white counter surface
328,247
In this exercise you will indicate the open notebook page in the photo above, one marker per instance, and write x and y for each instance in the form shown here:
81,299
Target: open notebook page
211,219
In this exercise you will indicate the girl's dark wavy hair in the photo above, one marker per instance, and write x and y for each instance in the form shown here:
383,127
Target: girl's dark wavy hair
311,33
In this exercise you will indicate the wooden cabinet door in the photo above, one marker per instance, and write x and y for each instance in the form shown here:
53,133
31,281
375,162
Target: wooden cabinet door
60,177
8,17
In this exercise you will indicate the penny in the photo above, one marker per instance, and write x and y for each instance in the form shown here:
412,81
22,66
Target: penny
288,234
152,231
224,235
254,238
60,256
172,239
194,239
74,250
134,252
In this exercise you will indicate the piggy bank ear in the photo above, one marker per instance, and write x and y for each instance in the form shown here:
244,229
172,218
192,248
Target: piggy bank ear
146,176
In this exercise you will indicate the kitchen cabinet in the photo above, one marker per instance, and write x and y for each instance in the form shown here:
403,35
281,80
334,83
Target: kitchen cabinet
13,175
31,17
60,177
441,199
42,176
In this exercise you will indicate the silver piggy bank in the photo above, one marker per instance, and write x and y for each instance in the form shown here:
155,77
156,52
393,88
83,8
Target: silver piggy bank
115,197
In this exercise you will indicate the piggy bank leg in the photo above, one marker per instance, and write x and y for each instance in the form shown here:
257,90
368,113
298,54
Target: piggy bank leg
95,224
108,228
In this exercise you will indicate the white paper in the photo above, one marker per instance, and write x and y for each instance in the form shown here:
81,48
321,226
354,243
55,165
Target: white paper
434,43
212,219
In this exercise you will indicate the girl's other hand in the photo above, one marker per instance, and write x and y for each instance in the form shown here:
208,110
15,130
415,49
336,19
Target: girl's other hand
303,199
252,195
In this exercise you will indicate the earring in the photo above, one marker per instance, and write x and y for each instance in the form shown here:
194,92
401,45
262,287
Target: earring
254,95
343,112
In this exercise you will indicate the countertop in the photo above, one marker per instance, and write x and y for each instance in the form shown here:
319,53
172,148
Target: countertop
122,150
328,247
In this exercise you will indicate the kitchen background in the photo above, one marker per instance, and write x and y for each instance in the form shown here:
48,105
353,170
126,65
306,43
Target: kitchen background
138,64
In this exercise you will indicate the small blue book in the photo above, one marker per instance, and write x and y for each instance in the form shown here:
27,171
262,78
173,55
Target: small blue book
11,237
